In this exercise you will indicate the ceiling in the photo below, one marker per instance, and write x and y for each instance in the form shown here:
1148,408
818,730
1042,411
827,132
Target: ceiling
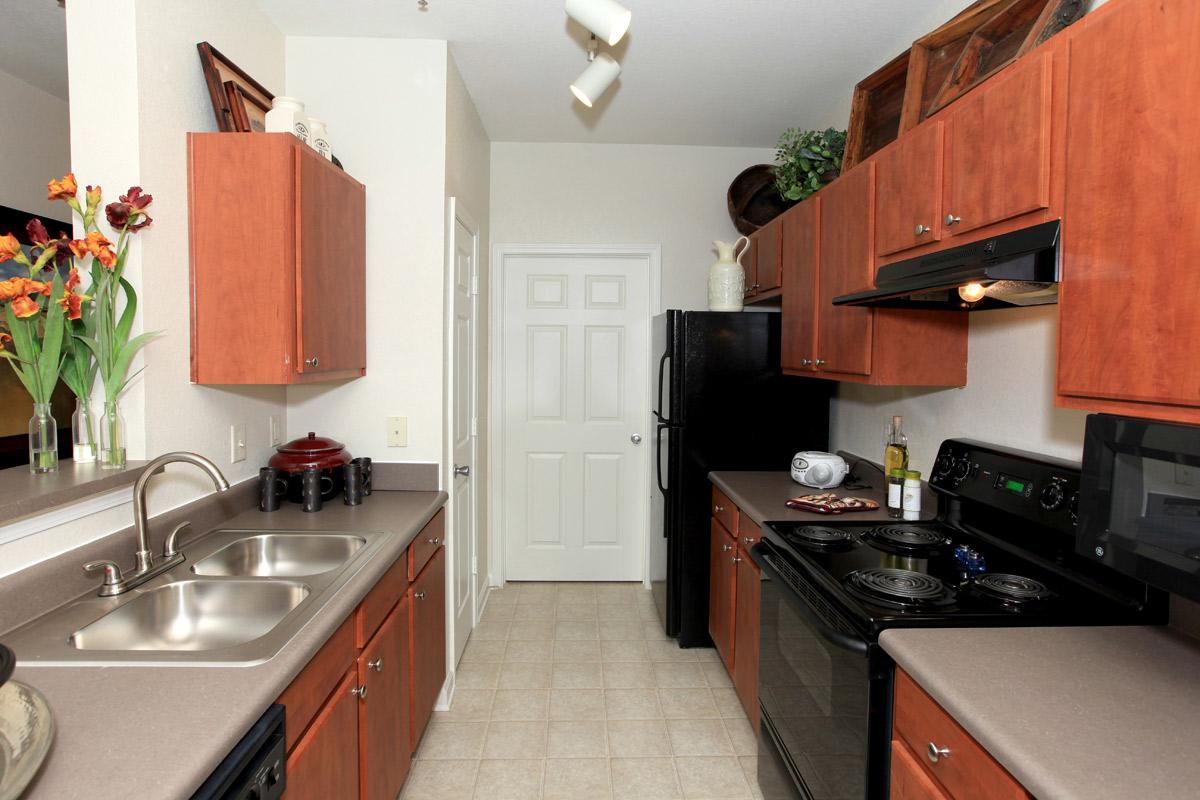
700,72
33,44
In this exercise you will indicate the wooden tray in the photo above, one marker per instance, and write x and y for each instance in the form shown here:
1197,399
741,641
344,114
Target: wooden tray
876,110
753,200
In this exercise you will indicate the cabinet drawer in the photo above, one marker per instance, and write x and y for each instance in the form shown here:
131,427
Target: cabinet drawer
305,695
725,511
967,771
910,780
431,537
748,532
379,602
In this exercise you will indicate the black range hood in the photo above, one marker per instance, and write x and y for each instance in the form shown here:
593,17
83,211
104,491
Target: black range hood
1013,269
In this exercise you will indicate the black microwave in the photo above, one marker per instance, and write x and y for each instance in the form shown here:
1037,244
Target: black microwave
1139,500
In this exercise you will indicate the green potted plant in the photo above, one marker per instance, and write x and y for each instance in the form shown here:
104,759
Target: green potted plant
807,160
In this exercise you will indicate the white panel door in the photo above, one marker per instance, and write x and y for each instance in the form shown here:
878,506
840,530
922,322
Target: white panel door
463,552
575,404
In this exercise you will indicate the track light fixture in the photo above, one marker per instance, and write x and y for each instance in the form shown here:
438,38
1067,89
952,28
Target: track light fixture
602,70
607,19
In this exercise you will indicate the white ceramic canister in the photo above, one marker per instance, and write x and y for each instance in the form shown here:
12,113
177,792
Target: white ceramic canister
287,116
726,277
319,138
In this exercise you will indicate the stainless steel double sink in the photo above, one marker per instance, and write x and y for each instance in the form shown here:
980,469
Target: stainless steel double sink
238,598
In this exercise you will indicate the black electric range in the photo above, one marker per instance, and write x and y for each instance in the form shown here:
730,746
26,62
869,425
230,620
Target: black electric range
1001,552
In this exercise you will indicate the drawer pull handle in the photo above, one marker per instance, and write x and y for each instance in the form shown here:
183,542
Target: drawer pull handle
376,664
419,595
936,753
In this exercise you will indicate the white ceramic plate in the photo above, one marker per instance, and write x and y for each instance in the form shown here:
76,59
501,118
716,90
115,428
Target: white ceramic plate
26,731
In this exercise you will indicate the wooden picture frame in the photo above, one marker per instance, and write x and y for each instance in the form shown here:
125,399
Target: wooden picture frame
218,70
249,113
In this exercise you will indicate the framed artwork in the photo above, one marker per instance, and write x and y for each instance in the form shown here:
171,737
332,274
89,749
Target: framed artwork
249,112
219,72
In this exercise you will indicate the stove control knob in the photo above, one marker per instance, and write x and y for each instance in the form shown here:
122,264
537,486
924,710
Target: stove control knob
1054,496
962,469
943,465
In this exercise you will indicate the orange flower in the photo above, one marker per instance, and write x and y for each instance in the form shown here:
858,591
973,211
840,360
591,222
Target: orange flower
72,304
63,189
72,279
9,247
13,288
97,245
24,308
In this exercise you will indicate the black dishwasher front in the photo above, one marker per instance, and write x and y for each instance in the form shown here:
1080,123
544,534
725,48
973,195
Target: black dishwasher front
256,768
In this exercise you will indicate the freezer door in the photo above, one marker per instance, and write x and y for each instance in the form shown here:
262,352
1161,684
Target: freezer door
663,350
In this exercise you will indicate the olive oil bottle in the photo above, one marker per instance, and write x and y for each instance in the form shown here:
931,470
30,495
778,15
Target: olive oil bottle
895,454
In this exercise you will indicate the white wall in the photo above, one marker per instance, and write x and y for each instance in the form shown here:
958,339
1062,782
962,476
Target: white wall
385,103
622,194
36,134
1008,399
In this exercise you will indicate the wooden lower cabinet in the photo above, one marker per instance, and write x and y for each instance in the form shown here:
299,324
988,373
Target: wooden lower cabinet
722,576
965,772
745,629
733,601
383,722
909,780
427,641
324,764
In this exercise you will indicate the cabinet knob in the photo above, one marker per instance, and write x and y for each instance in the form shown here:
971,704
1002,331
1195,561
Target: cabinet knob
376,664
804,362
921,229
748,539
936,753
419,595
725,548
819,362
315,361
736,559
360,691
952,220
464,470
435,541
718,509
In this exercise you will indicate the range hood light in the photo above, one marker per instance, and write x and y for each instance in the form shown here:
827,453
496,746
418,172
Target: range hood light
972,292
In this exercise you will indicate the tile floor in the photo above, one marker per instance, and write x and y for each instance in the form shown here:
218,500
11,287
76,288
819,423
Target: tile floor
571,691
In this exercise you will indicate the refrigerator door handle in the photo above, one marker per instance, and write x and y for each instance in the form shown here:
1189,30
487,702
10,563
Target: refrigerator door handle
658,409
658,460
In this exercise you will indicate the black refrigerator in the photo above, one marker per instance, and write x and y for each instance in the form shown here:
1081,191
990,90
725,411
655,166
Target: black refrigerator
722,403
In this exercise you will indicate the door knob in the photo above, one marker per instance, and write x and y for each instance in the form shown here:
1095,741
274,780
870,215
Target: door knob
636,438
464,470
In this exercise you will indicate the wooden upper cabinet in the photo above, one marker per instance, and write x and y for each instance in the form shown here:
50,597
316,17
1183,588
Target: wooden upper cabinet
844,333
324,763
998,149
722,575
768,245
801,235
384,749
909,190
1128,323
427,641
278,263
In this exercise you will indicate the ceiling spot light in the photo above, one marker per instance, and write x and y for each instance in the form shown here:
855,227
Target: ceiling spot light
607,19
972,292
594,81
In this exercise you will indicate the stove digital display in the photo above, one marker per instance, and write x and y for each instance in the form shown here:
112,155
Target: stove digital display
1009,483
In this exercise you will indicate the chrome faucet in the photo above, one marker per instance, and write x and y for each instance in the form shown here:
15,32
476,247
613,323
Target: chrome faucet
115,582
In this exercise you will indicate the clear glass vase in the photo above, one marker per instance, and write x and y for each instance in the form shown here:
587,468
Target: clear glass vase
43,440
112,436
83,433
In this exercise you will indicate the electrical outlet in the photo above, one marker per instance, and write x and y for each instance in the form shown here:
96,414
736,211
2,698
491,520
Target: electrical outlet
237,443
276,428
397,431
1186,475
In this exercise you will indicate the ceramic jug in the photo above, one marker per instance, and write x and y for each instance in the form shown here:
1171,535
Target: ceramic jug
726,277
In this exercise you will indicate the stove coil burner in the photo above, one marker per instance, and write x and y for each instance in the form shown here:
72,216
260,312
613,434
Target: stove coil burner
821,536
905,536
1011,588
900,587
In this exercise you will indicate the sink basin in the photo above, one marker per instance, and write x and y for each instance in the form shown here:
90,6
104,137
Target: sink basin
194,615
281,555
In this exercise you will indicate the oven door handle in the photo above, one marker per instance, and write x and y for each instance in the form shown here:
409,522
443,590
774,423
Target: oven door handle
763,554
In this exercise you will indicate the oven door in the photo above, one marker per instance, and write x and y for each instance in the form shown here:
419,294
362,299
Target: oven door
822,695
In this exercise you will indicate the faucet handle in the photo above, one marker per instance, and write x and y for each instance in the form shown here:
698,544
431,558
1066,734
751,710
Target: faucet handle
114,581
170,546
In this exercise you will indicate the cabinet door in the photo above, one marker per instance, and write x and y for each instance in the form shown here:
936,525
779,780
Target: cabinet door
721,598
331,259
324,763
910,781
750,262
998,148
745,628
844,332
1128,325
383,725
801,229
909,179
427,641
768,259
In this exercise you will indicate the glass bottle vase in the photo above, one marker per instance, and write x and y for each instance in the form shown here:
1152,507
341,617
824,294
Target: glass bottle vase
83,433
112,436
43,440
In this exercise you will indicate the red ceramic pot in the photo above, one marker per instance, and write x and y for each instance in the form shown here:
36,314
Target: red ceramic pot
323,453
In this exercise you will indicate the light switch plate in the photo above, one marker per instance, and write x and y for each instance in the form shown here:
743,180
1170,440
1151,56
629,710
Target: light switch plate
1186,475
276,428
397,431
237,443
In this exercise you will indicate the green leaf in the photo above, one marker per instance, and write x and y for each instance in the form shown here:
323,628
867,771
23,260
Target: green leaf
125,326
51,357
116,379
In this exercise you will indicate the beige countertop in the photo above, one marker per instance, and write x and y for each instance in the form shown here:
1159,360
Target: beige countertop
132,731
1072,713
761,495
